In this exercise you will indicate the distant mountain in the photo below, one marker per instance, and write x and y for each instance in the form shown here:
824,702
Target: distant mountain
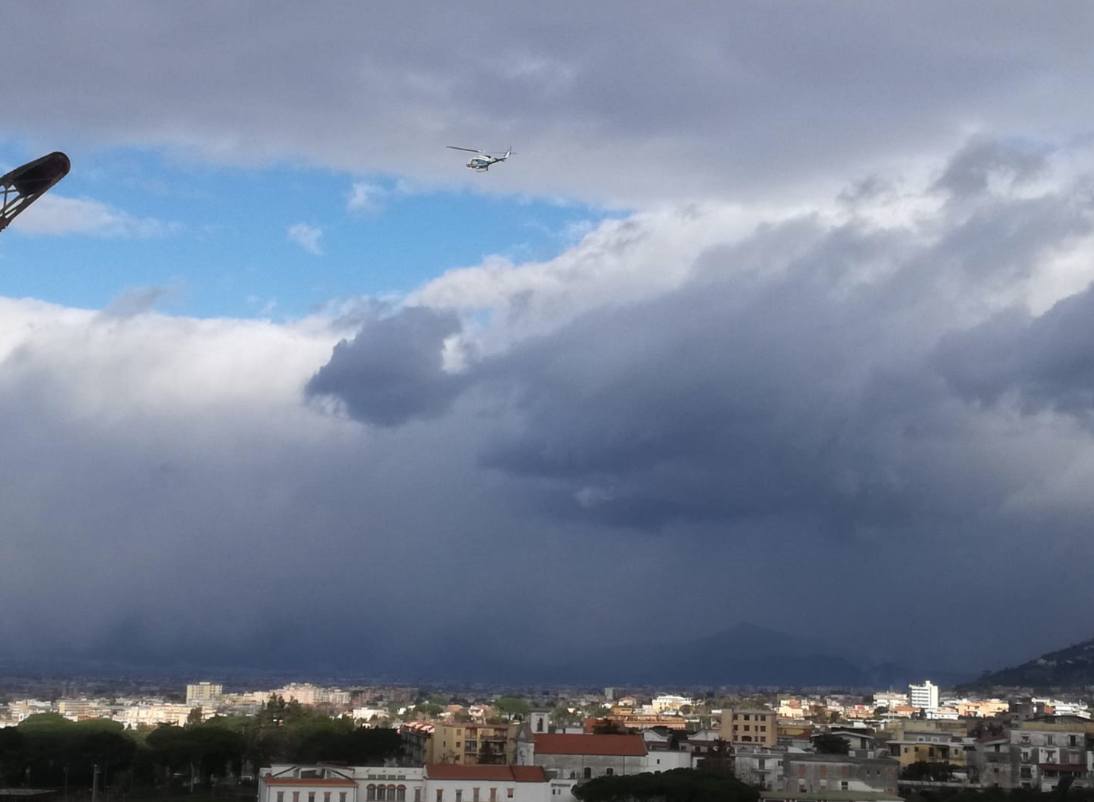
750,655
1071,667
743,656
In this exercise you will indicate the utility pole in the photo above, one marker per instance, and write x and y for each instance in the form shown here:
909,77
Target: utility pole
95,783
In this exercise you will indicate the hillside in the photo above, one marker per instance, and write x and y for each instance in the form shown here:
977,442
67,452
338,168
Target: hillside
1071,667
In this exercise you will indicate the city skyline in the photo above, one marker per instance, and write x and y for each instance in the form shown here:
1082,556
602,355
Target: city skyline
777,308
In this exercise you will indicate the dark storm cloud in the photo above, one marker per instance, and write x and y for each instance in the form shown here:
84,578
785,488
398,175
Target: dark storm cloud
803,375
393,370
1038,362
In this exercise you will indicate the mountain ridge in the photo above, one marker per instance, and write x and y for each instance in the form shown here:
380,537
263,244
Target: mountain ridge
1069,667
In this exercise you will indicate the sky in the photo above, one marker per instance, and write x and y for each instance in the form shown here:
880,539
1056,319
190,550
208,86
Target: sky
776,303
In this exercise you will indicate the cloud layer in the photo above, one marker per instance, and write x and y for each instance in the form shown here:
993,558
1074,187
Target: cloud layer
840,349
889,391
610,104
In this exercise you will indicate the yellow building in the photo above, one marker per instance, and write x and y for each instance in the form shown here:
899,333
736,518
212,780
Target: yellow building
470,744
758,727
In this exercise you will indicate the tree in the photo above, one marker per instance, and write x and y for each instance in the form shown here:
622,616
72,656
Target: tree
927,772
828,743
561,716
513,708
676,785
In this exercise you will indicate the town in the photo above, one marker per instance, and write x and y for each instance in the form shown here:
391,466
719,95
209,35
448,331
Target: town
452,745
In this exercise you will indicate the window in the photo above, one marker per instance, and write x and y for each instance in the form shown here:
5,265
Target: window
474,795
400,794
370,793
418,794
459,795
493,795
610,771
326,796
843,785
588,773
1072,740
440,795
341,796
1025,739
1050,740
295,796
509,793
280,796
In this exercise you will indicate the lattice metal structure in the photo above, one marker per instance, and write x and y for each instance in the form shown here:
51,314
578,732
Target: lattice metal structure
24,185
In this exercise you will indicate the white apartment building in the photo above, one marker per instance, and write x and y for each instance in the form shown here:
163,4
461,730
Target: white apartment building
923,696
200,693
669,702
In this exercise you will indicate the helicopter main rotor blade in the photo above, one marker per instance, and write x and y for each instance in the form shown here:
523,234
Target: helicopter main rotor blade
469,150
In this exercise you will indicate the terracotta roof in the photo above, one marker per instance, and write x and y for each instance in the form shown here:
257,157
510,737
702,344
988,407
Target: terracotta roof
605,745
308,781
520,774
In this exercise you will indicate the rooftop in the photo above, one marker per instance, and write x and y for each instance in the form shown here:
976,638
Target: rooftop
603,745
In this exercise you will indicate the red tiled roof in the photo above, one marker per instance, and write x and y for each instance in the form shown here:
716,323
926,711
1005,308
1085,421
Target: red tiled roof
604,745
308,781
520,774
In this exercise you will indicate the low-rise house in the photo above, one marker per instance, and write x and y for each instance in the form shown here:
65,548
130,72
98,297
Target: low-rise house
760,766
816,773
431,783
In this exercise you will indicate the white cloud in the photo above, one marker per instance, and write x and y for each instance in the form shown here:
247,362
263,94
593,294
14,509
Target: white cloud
307,237
53,215
364,197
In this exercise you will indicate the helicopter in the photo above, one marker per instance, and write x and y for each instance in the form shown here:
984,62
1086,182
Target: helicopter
483,160
25,184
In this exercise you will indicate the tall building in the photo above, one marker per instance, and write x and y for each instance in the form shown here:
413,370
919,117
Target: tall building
925,695
203,692
758,727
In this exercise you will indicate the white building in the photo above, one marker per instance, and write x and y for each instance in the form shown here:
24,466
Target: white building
203,692
431,783
923,696
669,702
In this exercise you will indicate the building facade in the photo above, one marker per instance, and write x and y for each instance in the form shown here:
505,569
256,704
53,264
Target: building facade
756,727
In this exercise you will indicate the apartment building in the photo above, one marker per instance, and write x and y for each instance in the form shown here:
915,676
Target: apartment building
1044,752
202,693
470,744
817,774
923,696
759,727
